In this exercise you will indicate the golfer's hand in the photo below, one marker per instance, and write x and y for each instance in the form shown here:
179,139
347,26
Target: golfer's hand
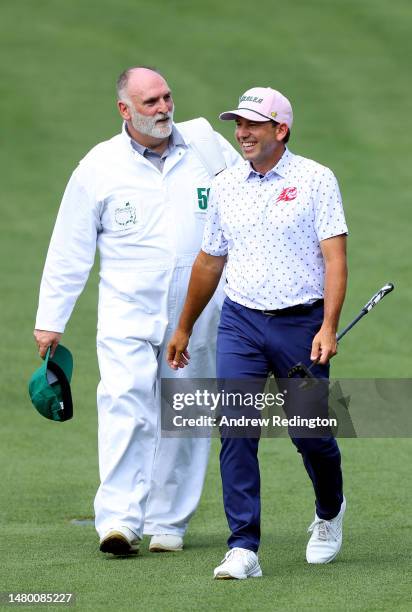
324,346
44,339
177,355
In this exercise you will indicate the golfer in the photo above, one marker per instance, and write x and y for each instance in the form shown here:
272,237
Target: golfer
277,222
141,197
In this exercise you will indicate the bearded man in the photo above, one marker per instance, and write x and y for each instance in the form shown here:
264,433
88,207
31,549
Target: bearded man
141,198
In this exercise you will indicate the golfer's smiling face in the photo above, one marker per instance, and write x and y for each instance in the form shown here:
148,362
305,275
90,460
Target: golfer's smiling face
260,142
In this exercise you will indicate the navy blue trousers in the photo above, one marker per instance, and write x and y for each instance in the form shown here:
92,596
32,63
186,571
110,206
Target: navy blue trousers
251,344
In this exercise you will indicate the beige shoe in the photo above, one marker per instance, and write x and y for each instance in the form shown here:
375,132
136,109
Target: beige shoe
166,543
120,543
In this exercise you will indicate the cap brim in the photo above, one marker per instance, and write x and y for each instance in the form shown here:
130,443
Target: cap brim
245,113
66,410
63,358
61,364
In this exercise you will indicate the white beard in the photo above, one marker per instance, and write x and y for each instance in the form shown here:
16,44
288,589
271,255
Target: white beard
148,126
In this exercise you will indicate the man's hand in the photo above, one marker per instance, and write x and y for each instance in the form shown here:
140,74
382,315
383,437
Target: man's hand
177,355
205,276
324,345
44,339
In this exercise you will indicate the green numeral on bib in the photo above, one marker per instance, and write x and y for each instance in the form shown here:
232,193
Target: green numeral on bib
202,197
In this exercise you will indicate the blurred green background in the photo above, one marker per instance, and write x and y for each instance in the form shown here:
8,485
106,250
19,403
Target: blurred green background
345,65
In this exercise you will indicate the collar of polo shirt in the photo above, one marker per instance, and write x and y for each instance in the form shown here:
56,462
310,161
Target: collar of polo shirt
281,168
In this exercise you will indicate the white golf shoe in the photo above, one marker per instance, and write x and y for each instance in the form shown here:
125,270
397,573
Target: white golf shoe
166,542
121,541
238,564
326,539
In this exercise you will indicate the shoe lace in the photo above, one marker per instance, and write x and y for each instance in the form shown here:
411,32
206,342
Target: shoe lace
322,529
233,552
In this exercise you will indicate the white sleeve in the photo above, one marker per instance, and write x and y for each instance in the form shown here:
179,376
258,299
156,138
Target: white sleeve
70,256
214,241
230,154
329,215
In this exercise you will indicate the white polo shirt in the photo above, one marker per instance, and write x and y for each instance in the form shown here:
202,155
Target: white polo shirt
271,228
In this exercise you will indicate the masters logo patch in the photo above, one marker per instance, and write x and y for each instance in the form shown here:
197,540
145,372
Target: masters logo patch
125,215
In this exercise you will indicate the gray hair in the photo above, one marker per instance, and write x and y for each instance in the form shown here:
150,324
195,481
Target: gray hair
123,80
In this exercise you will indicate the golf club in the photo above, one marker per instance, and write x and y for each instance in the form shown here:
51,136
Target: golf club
300,370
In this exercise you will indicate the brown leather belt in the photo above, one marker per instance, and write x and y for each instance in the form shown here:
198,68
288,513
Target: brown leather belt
293,310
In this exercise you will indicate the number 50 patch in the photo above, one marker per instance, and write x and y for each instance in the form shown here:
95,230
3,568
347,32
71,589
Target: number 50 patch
203,197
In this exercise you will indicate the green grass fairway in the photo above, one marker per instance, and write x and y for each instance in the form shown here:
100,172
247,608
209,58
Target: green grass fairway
45,552
345,65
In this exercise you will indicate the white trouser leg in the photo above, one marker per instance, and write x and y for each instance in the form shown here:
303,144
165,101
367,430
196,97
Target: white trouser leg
127,432
177,482
180,463
178,476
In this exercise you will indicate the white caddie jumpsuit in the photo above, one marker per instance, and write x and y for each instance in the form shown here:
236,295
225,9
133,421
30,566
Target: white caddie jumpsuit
148,228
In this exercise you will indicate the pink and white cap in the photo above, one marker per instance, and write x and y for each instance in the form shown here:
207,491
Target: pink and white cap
262,104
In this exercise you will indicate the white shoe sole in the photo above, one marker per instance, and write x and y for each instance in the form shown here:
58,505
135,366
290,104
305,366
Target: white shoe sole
324,562
161,548
257,573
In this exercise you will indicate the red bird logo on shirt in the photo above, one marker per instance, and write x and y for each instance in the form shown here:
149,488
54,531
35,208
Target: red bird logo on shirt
287,194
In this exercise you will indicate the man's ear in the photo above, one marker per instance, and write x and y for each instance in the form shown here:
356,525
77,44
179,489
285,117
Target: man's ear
281,131
124,110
